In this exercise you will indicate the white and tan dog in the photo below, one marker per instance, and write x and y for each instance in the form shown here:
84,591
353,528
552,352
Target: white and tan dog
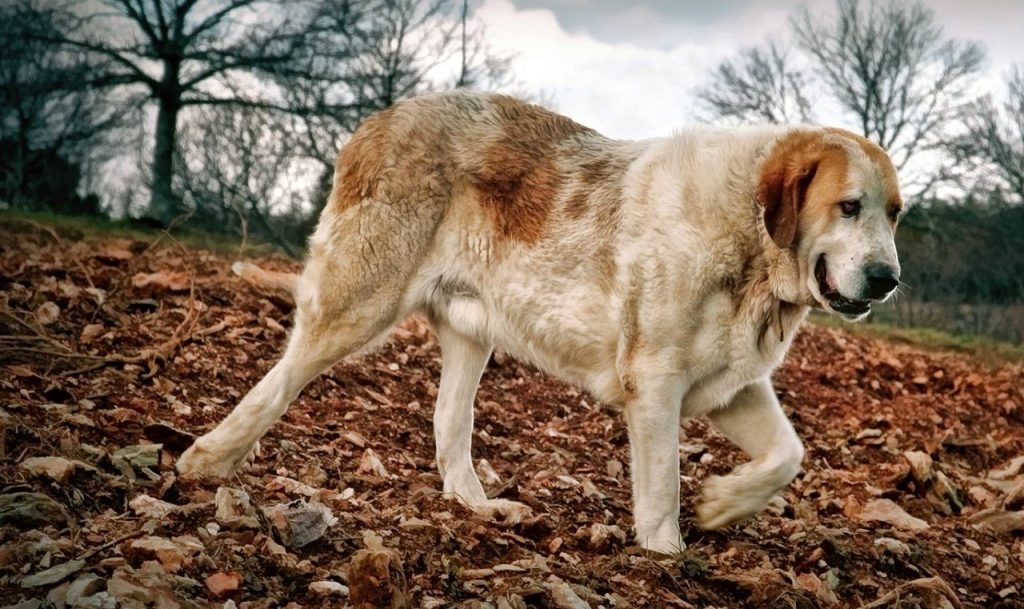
666,276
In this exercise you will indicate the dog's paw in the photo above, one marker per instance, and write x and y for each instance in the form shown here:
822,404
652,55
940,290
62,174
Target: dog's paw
663,545
502,511
199,463
727,500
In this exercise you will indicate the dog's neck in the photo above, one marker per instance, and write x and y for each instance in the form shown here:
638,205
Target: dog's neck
782,274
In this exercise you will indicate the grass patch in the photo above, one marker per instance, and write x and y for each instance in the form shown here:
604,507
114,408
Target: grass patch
981,347
92,228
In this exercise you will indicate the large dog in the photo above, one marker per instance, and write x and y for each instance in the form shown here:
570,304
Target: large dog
667,276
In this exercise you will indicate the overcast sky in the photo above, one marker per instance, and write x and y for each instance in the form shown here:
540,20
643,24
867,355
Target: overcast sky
628,69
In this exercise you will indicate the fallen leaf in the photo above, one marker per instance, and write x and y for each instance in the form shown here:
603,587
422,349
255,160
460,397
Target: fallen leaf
47,313
376,577
234,509
175,281
90,332
1000,521
885,510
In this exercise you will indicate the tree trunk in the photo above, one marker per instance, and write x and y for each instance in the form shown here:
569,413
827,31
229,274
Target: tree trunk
163,205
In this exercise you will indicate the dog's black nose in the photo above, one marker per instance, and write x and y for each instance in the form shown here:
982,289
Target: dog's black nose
881,279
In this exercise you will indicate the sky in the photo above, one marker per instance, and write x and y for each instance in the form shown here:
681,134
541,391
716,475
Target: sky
629,69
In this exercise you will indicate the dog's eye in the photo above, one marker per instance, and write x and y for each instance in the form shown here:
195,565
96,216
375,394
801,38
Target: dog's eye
850,207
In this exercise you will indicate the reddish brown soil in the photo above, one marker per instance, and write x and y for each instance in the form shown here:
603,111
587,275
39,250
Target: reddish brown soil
858,403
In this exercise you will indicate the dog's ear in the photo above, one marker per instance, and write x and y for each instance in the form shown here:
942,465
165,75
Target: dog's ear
785,176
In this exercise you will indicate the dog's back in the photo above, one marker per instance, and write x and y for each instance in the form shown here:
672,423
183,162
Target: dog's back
496,215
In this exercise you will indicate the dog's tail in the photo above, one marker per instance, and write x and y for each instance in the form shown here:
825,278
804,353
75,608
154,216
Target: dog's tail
268,280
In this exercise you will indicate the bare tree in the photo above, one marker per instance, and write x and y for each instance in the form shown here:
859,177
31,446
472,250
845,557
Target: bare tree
891,67
181,53
994,140
235,169
47,115
247,163
760,85
397,49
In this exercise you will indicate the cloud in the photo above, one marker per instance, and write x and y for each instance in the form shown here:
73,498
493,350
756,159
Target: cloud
630,69
624,89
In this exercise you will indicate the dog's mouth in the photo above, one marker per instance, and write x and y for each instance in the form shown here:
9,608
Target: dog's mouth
848,307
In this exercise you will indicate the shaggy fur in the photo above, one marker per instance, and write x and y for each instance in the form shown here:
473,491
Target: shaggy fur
666,276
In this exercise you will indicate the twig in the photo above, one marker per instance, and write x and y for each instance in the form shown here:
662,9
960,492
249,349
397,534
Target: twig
244,227
933,584
112,542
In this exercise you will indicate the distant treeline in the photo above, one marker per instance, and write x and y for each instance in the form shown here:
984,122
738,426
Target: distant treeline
963,266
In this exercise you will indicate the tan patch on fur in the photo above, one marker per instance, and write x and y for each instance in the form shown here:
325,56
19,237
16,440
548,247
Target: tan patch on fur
517,177
890,180
362,161
630,332
600,172
799,161
596,201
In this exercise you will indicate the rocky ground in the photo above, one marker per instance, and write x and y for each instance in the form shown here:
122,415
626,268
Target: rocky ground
112,352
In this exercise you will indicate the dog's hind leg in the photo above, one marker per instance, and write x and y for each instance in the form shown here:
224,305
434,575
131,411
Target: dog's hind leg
463,362
755,422
351,292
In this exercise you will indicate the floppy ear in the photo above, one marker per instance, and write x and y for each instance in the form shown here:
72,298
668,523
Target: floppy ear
785,176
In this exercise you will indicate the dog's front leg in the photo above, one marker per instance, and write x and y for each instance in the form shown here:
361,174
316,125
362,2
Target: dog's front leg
755,422
652,415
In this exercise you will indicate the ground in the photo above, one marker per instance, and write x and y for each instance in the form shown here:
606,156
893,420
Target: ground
113,351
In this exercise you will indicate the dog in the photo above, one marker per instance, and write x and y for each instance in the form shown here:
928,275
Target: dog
667,276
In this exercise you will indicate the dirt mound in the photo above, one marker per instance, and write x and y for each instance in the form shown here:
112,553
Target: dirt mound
113,352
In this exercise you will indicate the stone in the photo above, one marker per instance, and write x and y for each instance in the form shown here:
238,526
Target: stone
57,469
892,546
140,456
223,584
920,466
52,575
234,509
151,507
300,523
173,554
328,588
563,596
28,510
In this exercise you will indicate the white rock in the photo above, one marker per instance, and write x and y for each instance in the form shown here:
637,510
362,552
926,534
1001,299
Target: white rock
892,546
563,596
328,588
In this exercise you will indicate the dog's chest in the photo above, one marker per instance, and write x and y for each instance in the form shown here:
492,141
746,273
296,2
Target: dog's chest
728,354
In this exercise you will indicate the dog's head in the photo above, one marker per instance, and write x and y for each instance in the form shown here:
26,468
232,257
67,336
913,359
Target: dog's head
832,198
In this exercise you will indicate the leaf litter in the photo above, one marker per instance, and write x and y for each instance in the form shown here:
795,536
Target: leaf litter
115,354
